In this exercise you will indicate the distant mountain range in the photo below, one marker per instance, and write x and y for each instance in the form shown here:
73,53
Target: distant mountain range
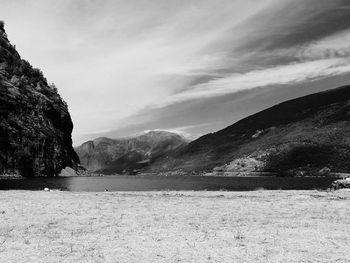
128,155
304,136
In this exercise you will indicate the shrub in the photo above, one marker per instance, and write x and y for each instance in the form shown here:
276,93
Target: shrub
306,156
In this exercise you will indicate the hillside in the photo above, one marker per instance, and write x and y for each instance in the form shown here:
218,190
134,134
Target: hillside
302,136
125,155
35,125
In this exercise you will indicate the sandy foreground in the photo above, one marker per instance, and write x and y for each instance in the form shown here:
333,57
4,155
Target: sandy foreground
259,226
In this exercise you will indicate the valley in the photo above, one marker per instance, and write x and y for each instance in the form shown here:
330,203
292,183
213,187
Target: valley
306,136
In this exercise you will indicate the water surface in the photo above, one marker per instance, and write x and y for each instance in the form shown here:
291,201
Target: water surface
158,183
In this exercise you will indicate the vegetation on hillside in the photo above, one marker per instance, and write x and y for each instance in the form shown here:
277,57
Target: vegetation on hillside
35,125
304,136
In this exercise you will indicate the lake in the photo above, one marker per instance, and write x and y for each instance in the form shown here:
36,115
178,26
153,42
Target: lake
158,183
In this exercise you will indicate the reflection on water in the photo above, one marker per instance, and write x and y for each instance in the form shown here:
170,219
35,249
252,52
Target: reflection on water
157,183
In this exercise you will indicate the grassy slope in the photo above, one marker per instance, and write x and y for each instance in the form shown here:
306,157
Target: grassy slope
263,226
314,123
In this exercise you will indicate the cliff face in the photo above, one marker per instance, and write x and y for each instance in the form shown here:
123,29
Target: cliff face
35,125
127,155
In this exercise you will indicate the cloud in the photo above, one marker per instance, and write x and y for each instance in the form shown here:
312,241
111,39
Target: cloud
333,46
112,60
281,75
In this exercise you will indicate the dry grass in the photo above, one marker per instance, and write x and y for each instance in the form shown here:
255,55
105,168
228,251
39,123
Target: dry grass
260,226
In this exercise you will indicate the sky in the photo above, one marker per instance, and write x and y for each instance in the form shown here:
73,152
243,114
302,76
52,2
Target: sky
188,66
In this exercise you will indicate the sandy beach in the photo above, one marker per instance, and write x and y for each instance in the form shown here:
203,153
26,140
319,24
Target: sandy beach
258,226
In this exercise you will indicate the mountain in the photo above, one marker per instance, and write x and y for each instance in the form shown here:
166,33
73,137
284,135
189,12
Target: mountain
35,125
302,136
125,155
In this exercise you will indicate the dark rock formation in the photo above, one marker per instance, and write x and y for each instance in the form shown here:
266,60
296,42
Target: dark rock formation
128,155
35,125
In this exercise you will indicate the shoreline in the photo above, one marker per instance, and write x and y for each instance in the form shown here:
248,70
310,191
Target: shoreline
334,175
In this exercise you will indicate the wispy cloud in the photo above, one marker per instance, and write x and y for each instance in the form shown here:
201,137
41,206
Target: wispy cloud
334,46
113,59
281,75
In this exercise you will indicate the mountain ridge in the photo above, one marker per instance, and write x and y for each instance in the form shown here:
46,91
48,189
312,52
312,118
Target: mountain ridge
262,142
127,154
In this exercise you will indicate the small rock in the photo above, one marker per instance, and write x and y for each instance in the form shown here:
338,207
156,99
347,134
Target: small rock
339,184
68,172
324,171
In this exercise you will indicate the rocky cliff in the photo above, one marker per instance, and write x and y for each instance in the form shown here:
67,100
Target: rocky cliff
128,155
35,125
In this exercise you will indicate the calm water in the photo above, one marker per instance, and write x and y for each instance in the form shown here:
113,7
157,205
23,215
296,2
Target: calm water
156,183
